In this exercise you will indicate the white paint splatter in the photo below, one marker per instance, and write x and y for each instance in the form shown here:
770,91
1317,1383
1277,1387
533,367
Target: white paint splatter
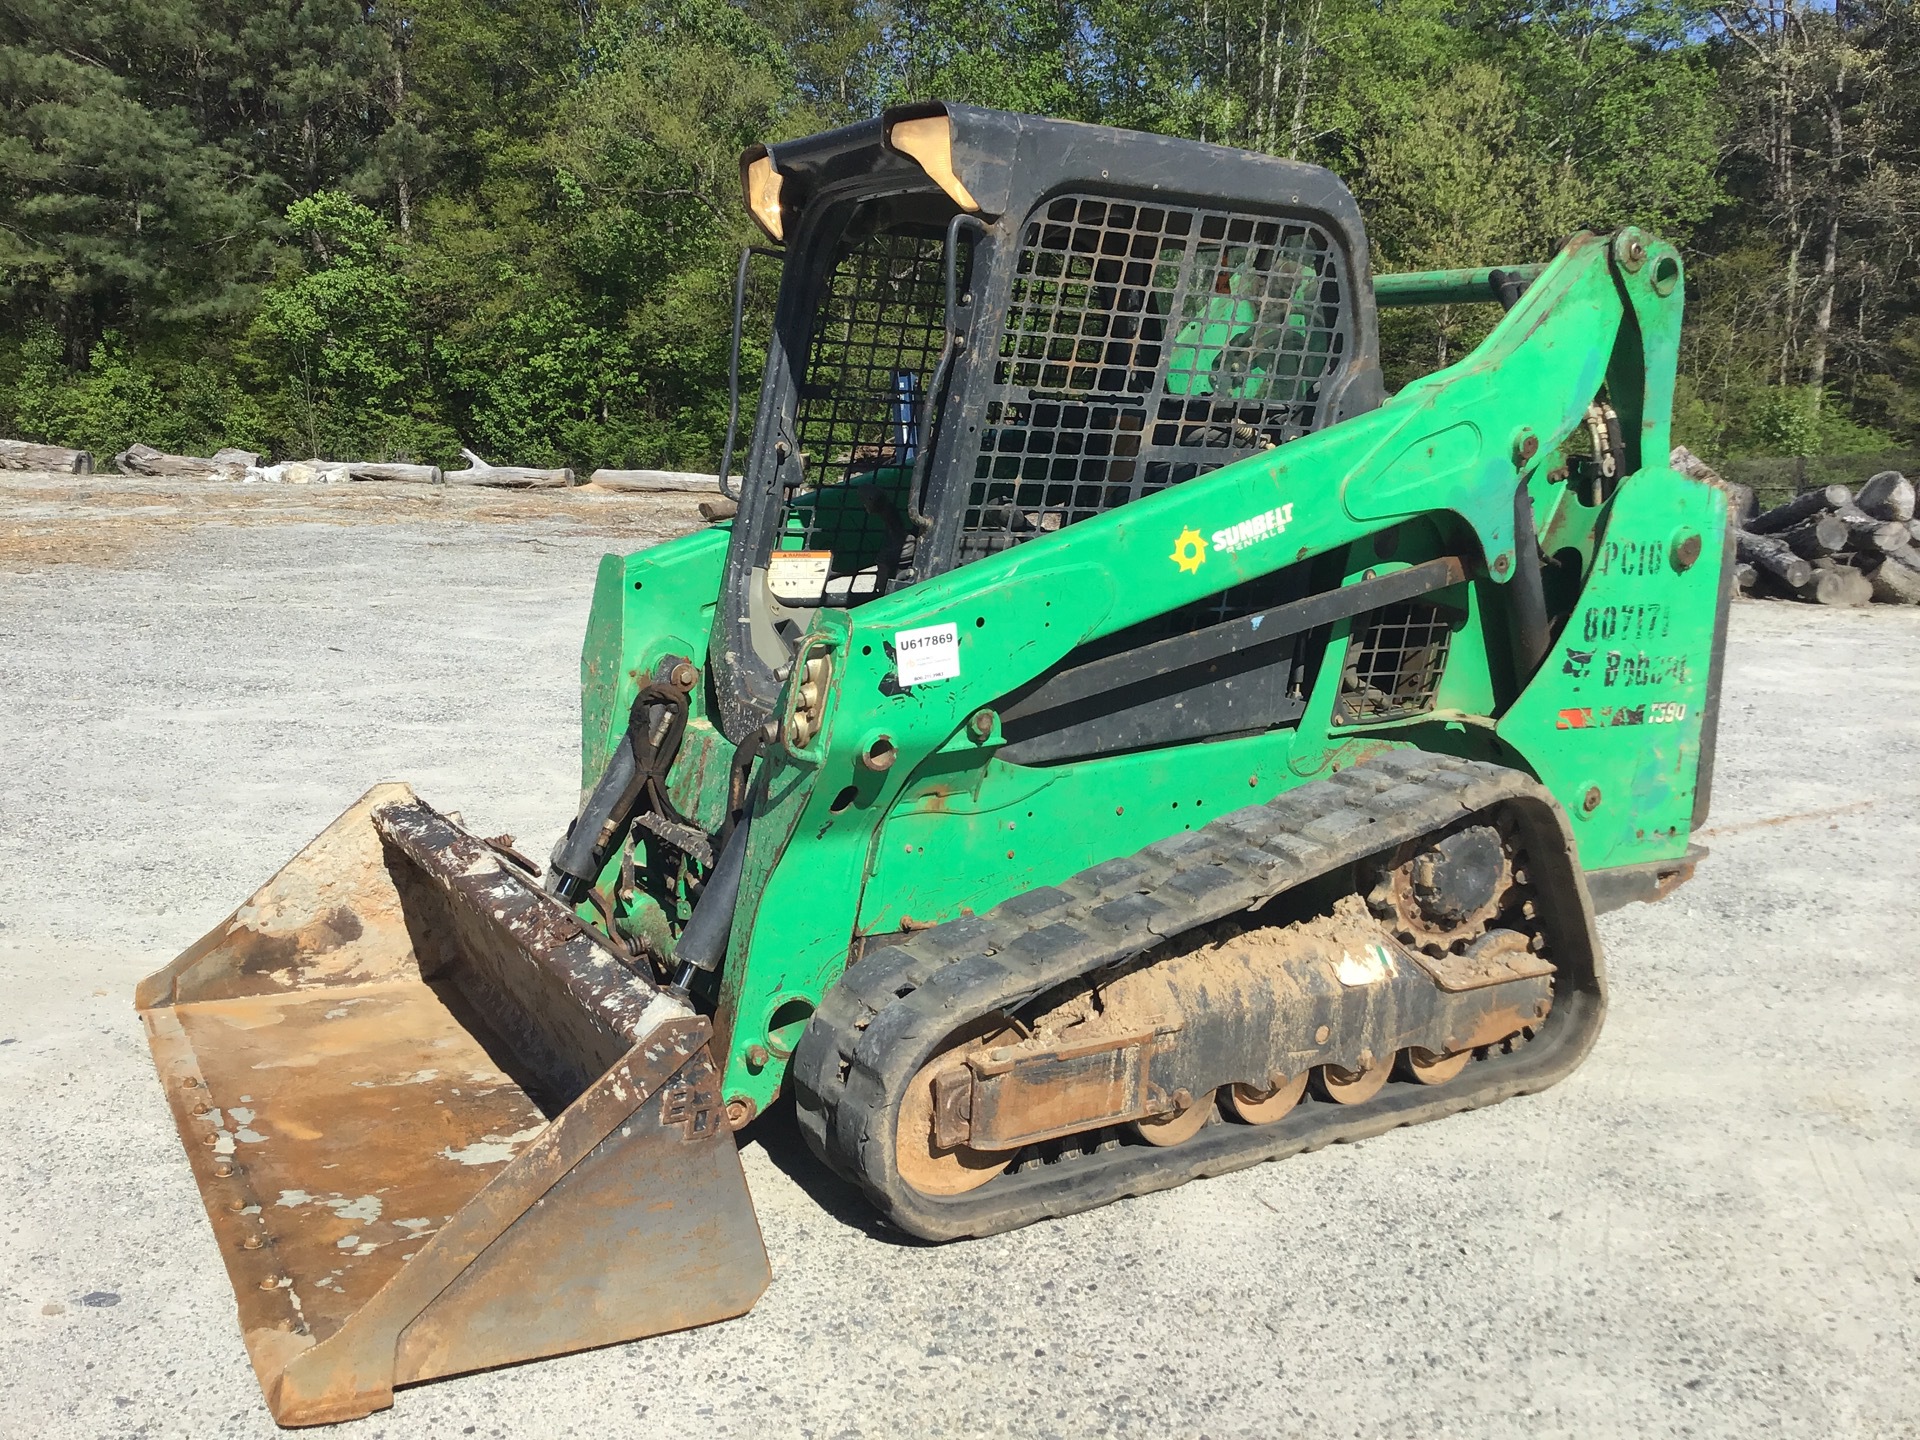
241,1117
252,1137
346,1242
366,1208
294,1198
491,1149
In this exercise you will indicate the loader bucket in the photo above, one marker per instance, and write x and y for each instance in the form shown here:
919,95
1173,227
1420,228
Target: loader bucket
437,1125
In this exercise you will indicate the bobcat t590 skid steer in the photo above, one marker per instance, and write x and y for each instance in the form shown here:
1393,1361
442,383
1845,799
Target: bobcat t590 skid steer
1113,743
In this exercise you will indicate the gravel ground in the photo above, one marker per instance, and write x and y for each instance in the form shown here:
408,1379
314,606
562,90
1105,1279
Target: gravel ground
1712,1228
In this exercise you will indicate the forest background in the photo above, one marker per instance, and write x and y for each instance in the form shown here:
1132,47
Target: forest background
320,227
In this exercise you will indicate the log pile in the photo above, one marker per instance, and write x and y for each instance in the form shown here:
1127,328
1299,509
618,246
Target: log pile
1831,546
245,467
25,455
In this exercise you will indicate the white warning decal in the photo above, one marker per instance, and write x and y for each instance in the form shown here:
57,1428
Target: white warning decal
1373,965
932,653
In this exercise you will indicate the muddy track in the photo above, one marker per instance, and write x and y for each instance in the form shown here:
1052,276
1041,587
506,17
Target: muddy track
894,1011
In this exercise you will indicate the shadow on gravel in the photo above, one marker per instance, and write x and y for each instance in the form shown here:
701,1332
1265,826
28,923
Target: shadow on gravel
777,1133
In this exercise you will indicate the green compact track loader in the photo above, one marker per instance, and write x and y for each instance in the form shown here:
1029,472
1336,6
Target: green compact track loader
1112,742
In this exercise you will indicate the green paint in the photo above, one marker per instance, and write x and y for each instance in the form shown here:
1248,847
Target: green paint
838,851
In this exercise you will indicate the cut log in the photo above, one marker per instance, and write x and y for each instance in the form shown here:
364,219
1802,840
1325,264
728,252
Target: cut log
1887,496
158,465
1816,536
1744,576
721,509
1870,535
1893,583
1907,555
507,477
401,474
1785,517
658,482
1836,586
1771,555
25,455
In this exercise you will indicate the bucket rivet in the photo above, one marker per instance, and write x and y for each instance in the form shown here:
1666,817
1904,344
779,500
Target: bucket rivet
237,1205
272,1282
223,1171
212,1137
1321,1035
202,1108
252,1242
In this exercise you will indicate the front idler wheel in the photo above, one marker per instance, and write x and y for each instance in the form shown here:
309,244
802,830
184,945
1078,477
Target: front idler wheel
923,1163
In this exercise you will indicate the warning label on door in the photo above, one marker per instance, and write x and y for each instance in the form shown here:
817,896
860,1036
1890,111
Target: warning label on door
929,654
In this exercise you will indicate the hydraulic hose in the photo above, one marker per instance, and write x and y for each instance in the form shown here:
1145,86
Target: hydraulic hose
703,944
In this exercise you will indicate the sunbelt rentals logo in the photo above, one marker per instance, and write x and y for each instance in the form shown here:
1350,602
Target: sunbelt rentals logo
1190,550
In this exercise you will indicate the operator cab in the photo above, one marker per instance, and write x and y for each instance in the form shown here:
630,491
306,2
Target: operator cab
992,326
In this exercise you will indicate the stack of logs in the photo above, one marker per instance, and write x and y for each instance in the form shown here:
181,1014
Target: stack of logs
1834,546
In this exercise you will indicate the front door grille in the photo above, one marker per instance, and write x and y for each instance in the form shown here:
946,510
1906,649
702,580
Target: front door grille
1145,344
877,335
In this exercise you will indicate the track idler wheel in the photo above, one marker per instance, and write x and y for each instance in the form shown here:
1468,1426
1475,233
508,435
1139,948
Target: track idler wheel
1427,1068
1253,1106
1354,1087
1177,1126
926,1166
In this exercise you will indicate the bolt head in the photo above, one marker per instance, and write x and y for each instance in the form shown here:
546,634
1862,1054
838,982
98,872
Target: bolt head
1502,564
739,1112
1590,801
758,1056
981,723
1322,1035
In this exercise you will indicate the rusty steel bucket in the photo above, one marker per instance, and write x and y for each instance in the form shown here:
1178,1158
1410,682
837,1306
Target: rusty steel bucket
437,1125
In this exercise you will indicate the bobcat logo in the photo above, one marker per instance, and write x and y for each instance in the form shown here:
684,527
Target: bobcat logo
1579,662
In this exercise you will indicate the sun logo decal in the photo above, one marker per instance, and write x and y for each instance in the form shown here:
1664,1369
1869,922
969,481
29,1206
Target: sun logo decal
1189,551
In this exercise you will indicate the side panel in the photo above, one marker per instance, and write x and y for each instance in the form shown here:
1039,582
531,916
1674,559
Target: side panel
1612,723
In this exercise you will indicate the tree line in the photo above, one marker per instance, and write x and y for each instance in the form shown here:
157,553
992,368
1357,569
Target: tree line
322,227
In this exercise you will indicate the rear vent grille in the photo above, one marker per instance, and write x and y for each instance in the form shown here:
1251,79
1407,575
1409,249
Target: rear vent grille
1394,663
1144,345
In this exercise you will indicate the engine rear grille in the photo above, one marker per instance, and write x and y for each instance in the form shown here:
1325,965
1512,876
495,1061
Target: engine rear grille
1394,662
1145,344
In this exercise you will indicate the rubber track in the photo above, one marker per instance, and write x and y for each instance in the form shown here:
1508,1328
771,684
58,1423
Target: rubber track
890,1013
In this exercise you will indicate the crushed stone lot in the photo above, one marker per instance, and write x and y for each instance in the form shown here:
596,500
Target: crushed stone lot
1711,1229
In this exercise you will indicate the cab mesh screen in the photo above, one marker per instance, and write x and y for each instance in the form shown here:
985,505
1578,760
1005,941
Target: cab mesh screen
876,338
1144,345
